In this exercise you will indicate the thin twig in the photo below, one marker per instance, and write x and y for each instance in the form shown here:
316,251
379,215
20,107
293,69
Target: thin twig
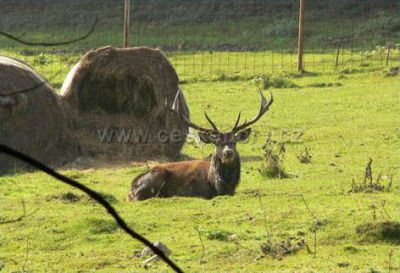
308,208
315,243
265,216
390,260
390,183
94,195
202,245
384,209
26,256
316,224
24,215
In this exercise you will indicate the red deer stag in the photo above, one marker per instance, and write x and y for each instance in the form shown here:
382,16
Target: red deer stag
200,178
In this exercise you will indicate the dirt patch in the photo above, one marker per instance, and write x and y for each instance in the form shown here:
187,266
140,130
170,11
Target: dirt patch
218,235
351,249
70,197
67,197
325,84
343,264
284,248
100,226
391,72
107,196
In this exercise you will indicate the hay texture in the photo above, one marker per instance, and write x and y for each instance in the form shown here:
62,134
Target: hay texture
121,100
32,122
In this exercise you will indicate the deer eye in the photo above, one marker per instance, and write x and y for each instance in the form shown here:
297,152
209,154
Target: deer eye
219,142
217,138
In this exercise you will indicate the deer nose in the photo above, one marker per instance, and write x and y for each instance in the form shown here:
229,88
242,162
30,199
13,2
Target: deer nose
228,153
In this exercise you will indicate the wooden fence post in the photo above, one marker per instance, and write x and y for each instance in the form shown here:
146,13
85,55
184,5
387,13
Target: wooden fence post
300,45
337,57
127,13
389,46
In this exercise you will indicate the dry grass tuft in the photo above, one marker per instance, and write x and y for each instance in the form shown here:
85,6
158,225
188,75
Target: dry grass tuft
368,184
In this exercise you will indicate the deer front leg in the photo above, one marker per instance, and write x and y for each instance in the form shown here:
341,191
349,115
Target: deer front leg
215,177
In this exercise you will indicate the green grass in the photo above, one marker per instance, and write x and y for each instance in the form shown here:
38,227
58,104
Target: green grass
343,126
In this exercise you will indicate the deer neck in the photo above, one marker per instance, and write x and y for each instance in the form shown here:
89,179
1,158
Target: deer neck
224,177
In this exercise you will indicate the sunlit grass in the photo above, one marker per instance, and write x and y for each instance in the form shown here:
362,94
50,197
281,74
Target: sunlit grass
342,126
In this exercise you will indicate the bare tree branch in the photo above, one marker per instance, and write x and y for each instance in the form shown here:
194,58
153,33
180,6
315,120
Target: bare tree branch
22,91
24,42
202,245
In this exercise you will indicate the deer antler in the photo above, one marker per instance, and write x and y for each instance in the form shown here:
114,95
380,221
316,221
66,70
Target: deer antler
175,107
264,107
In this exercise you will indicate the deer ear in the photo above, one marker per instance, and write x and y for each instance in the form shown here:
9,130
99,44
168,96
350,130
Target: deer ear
204,137
243,135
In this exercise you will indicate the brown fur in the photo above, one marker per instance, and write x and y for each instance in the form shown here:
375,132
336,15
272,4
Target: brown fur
187,178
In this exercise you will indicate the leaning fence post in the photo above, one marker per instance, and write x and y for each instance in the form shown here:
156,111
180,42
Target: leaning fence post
389,46
300,46
127,13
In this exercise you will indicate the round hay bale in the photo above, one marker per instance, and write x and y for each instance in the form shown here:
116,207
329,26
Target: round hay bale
32,122
122,101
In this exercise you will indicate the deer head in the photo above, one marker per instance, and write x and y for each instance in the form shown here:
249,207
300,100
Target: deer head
225,142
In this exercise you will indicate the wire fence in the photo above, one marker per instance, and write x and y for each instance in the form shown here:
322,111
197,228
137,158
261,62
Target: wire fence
213,39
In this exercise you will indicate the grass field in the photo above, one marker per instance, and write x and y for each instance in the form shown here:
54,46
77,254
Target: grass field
264,25
345,117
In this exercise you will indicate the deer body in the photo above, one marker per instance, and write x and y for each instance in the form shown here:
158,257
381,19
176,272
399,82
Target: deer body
199,178
196,178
